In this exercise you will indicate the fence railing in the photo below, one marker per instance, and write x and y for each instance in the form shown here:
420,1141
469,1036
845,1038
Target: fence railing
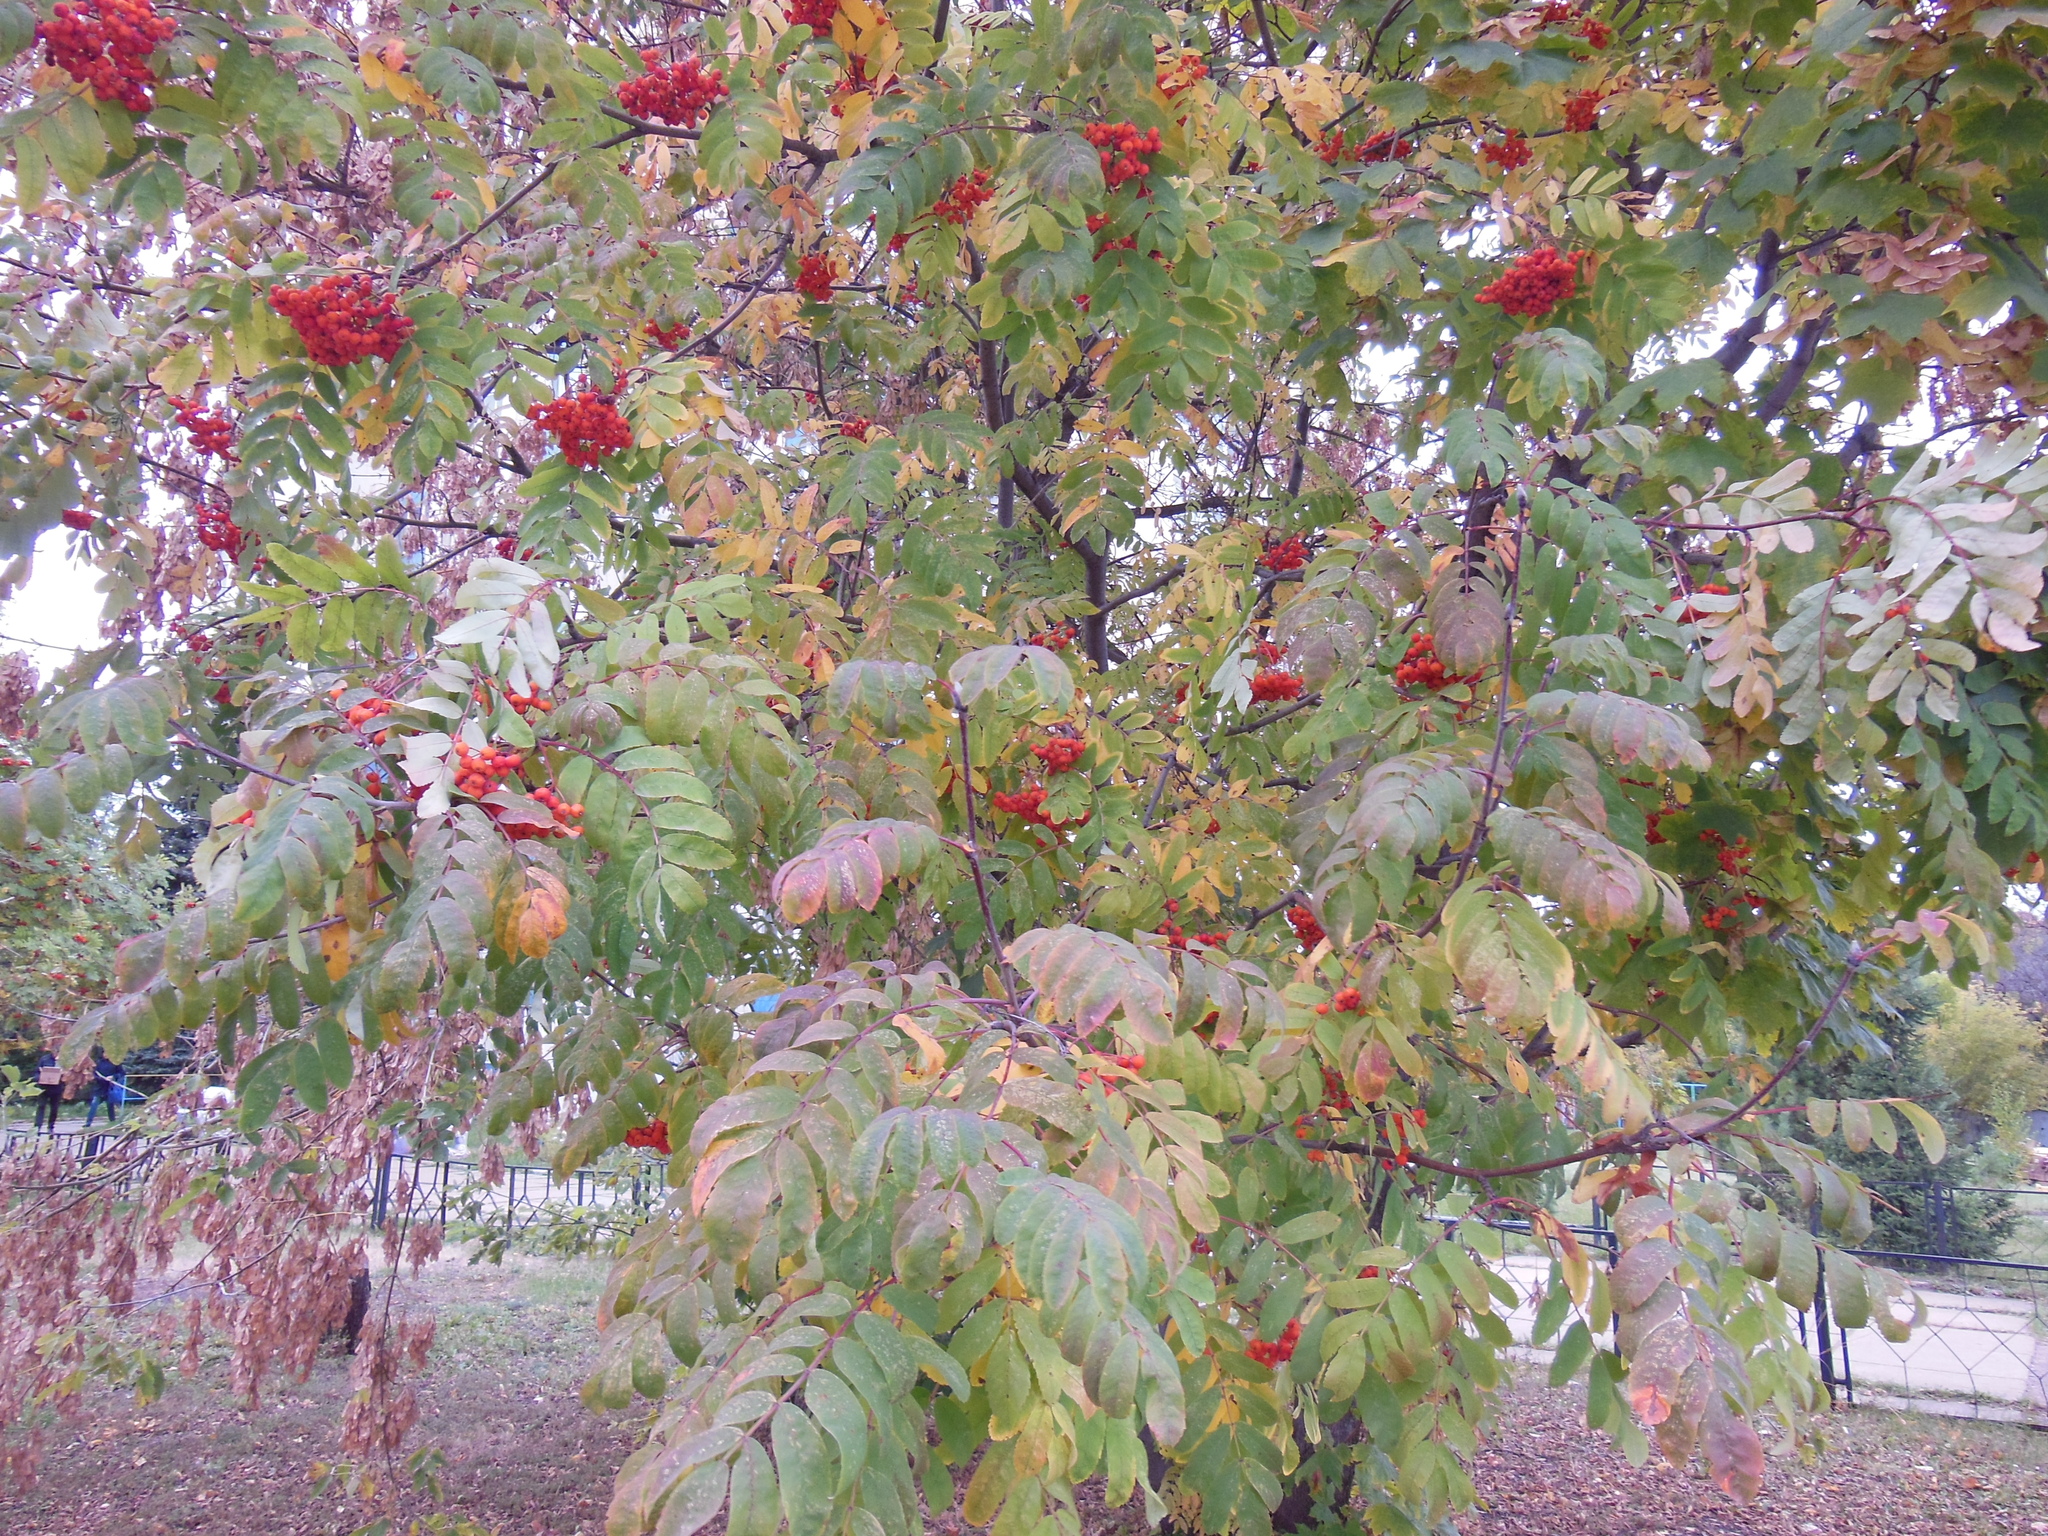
1981,1351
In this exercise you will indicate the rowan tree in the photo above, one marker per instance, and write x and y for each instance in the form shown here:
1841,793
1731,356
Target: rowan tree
1532,513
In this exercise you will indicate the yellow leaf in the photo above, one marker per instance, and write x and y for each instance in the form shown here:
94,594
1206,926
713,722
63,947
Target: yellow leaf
934,1054
536,917
335,949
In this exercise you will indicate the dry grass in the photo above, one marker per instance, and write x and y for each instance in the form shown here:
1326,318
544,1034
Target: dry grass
524,1456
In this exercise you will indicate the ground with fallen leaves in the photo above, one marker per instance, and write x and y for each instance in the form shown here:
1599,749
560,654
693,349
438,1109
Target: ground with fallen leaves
522,1455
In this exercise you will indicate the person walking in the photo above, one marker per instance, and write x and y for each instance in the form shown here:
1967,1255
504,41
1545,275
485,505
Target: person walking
109,1087
50,1083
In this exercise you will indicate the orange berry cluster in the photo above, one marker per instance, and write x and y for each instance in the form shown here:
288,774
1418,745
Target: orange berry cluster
1306,928
586,425
565,810
1269,685
211,431
1347,1000
818,15
1693,615
682,93
668,336
1128,1063
1534,284
1582,111
857,428
1060,753
482,770
814,278
652,1138
1176,937
1721,918
360,715
1419,667
1511,152
1335,148
1289,554
217,528
1123,149
966,194
1097,222
1057,638
106,44
1280,1350
79,518
343,319
523,704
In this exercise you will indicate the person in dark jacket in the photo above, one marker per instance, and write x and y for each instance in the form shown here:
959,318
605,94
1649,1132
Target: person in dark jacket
109,1087
50,1083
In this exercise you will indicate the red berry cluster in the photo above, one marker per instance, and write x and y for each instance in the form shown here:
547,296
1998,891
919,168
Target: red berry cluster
79,518
1582,111
651,1138
682,93
211,431
1721,919
564,810
668,336
1200,1246
1510,153
818,15
1289,554
1123,149
586,425
1280,1350
1693,615
857,428
1097,222
1180,74
1398,1125
1177,938
217,528
106,44
1534,284
343,319
1060,753
1419,667
1372,149
1654,835
1336,1097
1591,28
1057,638
1266,650
1347,1000
814,278
1306,928
1269,685
1023,803
1733,857
966,194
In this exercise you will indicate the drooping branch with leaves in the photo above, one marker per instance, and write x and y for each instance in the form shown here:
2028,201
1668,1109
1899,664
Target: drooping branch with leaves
1135,676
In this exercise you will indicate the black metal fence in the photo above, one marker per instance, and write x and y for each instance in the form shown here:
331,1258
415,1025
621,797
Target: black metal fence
1981,1350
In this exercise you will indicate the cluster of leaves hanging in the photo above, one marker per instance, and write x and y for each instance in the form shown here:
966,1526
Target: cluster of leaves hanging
1102,986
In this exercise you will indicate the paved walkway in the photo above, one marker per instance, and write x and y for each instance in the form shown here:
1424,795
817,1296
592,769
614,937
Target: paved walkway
1982,1347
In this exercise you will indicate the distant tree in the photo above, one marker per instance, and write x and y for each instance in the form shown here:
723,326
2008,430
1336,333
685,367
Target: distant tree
1905,1218
2026,979
1995,1056
65,904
